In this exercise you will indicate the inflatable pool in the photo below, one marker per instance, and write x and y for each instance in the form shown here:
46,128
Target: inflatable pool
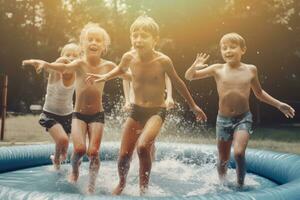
179,172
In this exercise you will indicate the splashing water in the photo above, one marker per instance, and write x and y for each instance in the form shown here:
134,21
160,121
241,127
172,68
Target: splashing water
169,177
172,175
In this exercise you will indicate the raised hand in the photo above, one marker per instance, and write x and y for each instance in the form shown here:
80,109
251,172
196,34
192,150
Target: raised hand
287,110
200,115
200,61
37,64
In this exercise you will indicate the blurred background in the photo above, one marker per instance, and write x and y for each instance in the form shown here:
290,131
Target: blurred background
39,28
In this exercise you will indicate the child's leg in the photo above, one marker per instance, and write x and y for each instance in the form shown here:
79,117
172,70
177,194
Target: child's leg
95,137
145,143
129,137
240,141
61,144
224,155
152,152
78,134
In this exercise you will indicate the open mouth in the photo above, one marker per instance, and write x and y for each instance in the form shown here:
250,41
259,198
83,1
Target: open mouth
229,57
93,48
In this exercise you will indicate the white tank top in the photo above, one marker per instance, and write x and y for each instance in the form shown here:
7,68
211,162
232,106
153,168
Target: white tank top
59,98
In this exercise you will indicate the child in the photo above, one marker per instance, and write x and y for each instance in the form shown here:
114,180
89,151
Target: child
234,81
148,111
58,107
129,99
88,117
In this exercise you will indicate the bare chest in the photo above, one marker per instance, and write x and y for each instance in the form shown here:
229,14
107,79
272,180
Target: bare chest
151,74
234,78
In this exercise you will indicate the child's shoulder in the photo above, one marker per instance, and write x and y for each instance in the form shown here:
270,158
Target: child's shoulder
108,63
250,67
217,66
129,55
161,57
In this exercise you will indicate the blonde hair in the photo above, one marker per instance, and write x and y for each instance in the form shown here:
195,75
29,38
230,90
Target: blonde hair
145,23
234,38
91,25
69,45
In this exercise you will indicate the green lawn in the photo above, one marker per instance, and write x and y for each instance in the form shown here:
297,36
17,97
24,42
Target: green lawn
25,129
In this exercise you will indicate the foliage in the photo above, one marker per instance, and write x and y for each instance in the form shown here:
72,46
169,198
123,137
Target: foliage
39,28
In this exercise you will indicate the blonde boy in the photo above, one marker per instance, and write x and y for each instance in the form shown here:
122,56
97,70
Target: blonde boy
234,83
148,68
88,115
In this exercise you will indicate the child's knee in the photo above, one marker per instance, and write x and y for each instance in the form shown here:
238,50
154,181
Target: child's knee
142,150
124,158
93,153
63,141
80,150
239,154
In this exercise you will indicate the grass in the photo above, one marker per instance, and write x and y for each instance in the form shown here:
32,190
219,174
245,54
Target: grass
26,130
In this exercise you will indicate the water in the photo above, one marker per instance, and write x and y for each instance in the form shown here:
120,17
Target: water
169,177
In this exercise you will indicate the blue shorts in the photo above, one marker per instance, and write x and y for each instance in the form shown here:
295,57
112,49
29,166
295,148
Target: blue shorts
227,126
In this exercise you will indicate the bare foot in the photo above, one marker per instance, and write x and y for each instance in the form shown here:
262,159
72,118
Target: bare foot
74,174
55,162
118,190
143,191
73,177
91,189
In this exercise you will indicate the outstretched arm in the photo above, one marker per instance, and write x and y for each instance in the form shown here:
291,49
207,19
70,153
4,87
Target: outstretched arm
181,87
169,100
57,66
262,95
199,69
120,70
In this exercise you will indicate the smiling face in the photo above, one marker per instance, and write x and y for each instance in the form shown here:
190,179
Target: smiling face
93,43
142,41
231,51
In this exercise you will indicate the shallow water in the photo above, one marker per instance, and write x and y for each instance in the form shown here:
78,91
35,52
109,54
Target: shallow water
169,177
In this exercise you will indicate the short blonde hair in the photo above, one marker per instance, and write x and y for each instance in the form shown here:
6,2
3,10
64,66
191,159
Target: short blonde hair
145,23
91,25
69,45
234,38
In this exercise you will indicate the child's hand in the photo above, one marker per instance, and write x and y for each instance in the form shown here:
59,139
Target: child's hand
37,64
200,115
287,110
170,103
126,107
93,78
200,61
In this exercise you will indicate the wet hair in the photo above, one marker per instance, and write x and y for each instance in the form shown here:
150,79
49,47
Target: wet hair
91,25
145,23
234,38
69,45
